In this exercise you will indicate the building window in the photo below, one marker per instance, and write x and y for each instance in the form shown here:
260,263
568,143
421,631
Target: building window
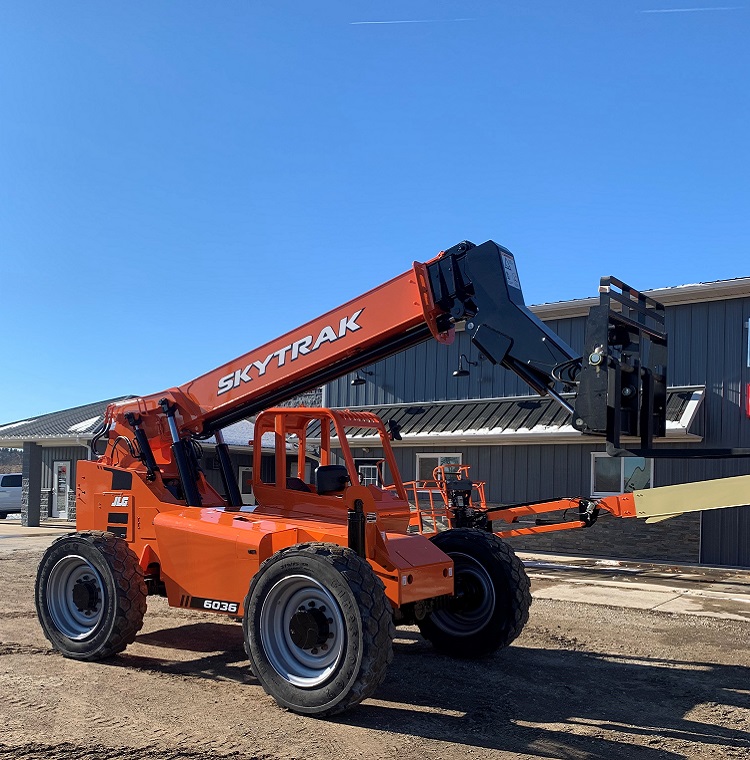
369,471
613,475
426,463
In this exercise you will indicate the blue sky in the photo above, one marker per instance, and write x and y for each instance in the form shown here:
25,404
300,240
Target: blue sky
182,181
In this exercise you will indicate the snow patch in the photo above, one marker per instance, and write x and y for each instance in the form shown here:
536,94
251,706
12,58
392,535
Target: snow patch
16,424
82,427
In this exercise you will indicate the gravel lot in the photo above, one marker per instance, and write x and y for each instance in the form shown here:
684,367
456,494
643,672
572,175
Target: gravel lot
583,681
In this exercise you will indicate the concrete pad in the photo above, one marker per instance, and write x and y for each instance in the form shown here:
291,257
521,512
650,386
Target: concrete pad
634,598
687,590
14,529
726,609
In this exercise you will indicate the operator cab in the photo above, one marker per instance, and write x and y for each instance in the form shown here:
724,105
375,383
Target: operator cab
319,436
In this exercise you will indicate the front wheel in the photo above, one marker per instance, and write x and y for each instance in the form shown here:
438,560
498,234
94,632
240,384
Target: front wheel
318,628
90,595
490,605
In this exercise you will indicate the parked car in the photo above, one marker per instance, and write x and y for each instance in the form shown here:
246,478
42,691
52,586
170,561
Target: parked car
10,494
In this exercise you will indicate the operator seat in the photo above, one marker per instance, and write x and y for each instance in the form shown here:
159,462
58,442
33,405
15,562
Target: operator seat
331,478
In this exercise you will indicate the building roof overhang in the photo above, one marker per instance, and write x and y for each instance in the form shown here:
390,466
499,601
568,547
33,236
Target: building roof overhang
76,426
700,292
509,421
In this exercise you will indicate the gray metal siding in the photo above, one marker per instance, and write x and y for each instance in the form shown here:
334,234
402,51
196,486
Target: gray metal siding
725,537
514,473
708,344
213,476
425,373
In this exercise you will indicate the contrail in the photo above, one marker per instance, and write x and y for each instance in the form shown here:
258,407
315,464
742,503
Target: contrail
694,10
412,21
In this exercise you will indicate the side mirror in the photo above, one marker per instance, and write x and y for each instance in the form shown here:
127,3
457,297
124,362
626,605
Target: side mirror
394,430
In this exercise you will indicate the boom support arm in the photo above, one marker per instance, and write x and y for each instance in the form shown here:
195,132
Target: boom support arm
481,284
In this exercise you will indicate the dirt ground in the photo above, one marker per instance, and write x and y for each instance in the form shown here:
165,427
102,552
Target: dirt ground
583,681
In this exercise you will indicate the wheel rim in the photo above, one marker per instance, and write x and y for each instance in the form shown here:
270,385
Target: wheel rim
302,631
474,602
75,597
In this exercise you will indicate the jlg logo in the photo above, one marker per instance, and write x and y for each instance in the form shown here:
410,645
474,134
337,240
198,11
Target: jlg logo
121,501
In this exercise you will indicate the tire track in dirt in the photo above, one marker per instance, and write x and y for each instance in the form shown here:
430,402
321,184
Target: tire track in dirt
27,697
93,751
8,648
129,716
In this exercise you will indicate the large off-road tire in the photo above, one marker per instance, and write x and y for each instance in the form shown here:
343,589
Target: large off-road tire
90,595
318,628
492,597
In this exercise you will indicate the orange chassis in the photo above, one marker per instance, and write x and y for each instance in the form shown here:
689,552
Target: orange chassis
206,556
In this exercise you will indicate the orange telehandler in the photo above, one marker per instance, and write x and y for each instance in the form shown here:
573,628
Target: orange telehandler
321,567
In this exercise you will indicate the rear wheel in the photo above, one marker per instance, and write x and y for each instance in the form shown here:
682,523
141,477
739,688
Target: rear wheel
492,598
318,628
90,595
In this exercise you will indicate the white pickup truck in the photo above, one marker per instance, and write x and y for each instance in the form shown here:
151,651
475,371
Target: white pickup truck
10,494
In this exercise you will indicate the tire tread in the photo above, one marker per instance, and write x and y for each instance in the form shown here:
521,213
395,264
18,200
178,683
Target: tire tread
517,606
378,629
130,592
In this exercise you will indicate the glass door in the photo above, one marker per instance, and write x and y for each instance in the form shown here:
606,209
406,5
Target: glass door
60,489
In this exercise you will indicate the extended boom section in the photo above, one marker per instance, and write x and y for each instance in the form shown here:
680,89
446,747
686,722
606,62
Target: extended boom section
622,379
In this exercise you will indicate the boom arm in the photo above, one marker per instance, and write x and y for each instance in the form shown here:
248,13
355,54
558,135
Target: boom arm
475,284
467,282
